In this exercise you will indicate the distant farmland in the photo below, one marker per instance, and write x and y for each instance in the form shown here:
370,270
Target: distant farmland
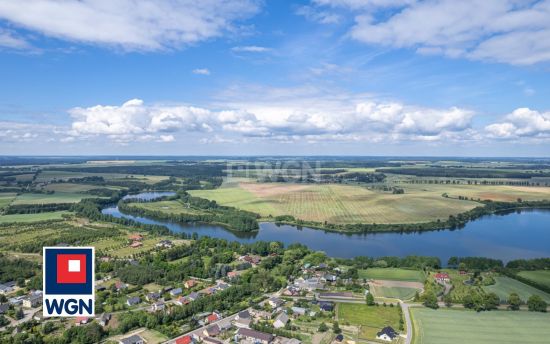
336,203
341,203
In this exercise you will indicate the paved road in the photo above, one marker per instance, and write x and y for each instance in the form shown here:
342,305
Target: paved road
406,313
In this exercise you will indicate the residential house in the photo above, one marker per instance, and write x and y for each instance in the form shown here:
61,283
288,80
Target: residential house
164,244
326,306
16,301
442,277
133,339
176,291
136,244
213,318
243,315
182,300
6,288
208,291
104,319
243,322
193,296
222,286
291,291
132,301
255,336
281,320
184,340
252,259
330,278
4,307
297,311
210,340
190,283
387,334
158,306
152,296
233,274
120,286
212,331
310,284
275,302
33,300
81,321
224,324
262,315
135,237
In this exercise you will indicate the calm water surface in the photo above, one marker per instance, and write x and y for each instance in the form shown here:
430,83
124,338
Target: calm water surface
517,235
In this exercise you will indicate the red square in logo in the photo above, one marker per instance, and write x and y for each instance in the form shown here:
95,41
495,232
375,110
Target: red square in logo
71,268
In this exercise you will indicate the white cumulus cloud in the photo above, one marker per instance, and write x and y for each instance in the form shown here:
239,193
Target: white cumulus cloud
507,31
522,123
130,25
201,71
251,49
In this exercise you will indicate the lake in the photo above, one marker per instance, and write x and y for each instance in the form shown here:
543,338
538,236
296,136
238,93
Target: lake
524,234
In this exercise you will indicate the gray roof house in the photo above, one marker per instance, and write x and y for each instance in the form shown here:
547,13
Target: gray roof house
255,336
133,301
281,320
193,296
176,291
134,339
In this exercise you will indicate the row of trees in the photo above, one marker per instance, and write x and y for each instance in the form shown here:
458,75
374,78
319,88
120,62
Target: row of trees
209,212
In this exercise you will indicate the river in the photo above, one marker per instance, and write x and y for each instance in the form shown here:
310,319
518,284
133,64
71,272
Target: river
524,234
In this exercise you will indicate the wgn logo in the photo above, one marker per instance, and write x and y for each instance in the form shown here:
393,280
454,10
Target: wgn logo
68,275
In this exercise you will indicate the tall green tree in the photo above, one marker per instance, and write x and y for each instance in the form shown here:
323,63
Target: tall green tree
514,301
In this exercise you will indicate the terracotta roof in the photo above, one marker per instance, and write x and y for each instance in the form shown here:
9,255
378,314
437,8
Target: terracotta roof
184,340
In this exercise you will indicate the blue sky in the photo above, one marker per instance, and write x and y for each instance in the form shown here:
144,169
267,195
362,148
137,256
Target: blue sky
357,77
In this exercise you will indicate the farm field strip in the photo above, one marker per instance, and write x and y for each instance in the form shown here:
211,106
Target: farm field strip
506,285
6,198
401,293
445,326
54,215
538,276
58,197
394,274
336,203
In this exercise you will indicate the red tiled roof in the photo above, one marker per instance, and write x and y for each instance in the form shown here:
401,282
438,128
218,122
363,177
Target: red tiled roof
183,340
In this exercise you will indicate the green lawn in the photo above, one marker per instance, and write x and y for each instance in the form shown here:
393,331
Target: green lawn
392,274
54,215
171,207
444,326
401,293
505,285
6,198
370,319
539,276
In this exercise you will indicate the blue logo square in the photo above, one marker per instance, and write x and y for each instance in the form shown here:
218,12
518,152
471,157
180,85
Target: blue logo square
51,280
